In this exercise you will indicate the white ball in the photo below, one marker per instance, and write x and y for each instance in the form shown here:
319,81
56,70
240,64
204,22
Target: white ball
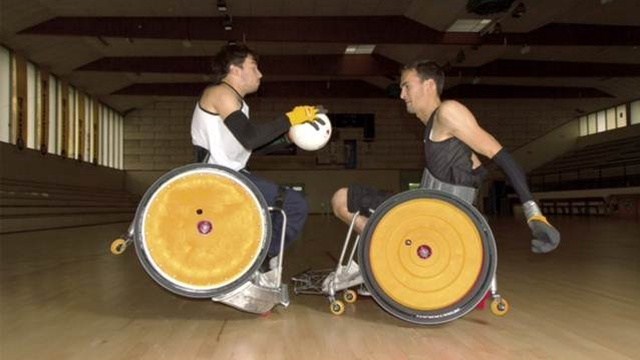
312,135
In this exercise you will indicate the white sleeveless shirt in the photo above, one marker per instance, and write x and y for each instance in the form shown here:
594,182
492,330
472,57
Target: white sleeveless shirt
209,131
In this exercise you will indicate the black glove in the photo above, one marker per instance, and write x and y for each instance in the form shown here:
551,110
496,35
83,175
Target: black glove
545,237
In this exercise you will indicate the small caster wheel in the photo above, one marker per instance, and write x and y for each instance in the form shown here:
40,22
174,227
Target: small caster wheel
118,246
499,307
349,296
337,307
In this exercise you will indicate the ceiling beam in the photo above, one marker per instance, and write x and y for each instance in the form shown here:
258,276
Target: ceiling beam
360,65
270,89
309,65
465,91
525,68
362,89
322,29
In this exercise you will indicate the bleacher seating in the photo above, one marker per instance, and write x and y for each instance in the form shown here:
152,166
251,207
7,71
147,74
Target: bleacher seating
609,164
595,205
30,205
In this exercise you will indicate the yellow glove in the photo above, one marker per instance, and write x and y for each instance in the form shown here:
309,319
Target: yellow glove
300,114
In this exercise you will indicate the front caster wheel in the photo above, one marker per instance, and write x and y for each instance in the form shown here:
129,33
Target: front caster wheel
499,307
337,307
349,296
118,246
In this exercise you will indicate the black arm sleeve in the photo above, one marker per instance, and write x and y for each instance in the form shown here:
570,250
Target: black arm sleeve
515,174
253,134
279,144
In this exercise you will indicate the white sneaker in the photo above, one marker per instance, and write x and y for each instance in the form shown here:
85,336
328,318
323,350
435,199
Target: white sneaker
346,277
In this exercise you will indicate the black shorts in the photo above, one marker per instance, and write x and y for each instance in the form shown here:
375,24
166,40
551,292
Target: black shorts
364,198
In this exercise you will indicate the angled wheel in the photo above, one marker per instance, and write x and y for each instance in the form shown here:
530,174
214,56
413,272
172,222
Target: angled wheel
202,230
118,246
337,307
427,257
499,307
350,296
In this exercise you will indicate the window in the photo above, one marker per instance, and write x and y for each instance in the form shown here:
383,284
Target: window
32,105
42,112
120,142
635,112
111,139
583,126
53,115
104,137
86,149
71,128
592,124
609,119
602,121
621,117
5,94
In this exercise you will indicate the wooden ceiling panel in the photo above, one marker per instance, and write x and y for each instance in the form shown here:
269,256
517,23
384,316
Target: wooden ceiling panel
104,45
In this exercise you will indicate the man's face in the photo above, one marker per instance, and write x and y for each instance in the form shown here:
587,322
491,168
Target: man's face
413,90
250,74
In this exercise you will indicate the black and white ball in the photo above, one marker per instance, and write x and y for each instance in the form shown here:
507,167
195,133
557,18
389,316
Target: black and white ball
312,135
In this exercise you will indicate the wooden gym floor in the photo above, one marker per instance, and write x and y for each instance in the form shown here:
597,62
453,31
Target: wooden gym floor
64,296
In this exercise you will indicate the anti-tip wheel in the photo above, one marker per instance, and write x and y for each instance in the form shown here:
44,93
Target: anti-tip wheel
118,246
337,307
350,296
499,307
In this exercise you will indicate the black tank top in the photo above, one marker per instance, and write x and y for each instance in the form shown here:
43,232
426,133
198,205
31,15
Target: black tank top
450,160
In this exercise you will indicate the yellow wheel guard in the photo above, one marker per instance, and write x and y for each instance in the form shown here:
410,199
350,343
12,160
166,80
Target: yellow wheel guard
203,230
426,254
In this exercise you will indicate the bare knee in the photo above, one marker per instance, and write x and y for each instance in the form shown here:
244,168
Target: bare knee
339,203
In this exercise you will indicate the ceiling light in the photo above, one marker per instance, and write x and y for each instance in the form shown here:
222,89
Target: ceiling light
469,25
227,23
359,49
519,10
222,6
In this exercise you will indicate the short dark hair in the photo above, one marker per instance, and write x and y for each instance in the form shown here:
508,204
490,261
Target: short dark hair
428,70
227,56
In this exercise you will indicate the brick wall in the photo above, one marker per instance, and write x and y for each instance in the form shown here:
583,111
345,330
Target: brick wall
157,137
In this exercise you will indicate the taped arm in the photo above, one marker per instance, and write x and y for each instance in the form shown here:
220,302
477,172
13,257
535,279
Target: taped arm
545,237
253,134
459,122
280,143
515,174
